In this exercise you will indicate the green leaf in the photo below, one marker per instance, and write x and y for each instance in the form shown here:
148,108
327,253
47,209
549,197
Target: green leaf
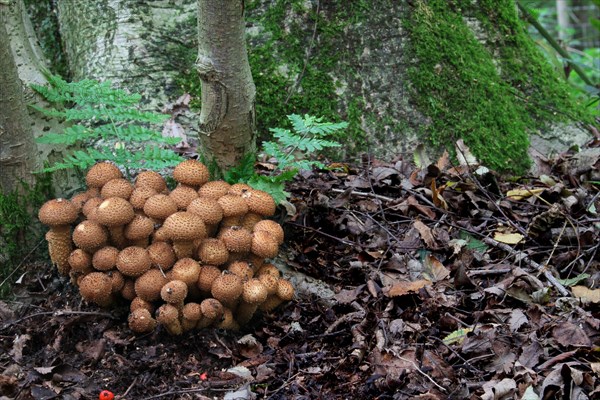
574,281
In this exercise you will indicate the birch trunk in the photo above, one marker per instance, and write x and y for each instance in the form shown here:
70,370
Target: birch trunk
227,118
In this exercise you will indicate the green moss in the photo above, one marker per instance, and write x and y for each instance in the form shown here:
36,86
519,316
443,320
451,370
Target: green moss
458,84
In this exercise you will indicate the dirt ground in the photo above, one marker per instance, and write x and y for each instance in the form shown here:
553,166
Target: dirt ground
439,282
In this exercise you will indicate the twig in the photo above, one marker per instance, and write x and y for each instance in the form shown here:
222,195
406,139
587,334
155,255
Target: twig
344,241
183,391
523,257
124,396
22,262
365,194
57,314
443,389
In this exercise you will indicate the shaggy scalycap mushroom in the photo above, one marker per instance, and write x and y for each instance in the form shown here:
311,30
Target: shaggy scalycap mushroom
227,288
214,189
140,321
101,173
148,285
133,261
191,172
59,214
151,179
160,206
96,287
118,187
90,236
183,195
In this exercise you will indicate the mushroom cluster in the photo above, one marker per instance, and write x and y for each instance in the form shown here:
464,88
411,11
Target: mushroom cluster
189,258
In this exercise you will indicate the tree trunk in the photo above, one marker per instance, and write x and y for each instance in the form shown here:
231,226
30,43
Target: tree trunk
227,119
21,63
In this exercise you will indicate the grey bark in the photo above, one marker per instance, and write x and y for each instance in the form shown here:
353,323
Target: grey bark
227,119
21,63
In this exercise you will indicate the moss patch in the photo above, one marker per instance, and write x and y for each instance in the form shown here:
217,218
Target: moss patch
492,101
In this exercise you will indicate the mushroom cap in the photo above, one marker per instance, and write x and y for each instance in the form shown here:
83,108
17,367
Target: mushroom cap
138,302
183,195
254,291
100,173
186,270
128,290
174,292
249,220
79,200
264,244
272,227
208,274
139,196
270,282
213,251
208,209
227,288
140,321
115,211
237,239
140,227
91,206
211,308
184,226
162,255
269,269
148,285
260,202
58,212
160,206
191,172
191,311
285,289
232,205
152,180
133,261
239,188
96,287
118,187
90,235
214,189
80,261
117,279
241,269
105,258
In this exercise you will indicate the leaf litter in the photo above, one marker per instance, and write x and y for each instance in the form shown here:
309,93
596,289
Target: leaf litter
435,282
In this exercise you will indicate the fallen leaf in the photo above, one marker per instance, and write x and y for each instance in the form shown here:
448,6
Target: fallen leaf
517,320
425,233
568,334
458,336
508,238
18,345
586,295
406,287
495,390
434,270
464,155
520,194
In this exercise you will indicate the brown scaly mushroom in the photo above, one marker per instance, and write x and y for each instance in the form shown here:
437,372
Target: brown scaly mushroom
213,251
118,187
242,269
151,179
133,261
115,213
212,312
138,302
59,214
168,316
259,202
253,295
90,236
227,288
80,263
183,195
238,189
236,239
214,189
249,220
228,322
272,227
208,274
190,315
100,173
206,208
128,290
188,271
183,228
138,231
118,281
105,259
232,205
162,255
140,321
285,292
159,207
191,172
148,285
174,293
264,244
140,195
96,287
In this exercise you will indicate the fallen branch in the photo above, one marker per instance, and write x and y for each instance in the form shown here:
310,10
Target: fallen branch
520,256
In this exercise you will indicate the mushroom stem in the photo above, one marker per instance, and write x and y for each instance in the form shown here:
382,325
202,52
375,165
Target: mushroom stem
245,312
60,247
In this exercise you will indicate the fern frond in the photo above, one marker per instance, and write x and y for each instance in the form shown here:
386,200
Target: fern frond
134,133
70,136
314,125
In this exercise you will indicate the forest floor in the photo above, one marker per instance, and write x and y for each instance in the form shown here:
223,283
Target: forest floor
435,283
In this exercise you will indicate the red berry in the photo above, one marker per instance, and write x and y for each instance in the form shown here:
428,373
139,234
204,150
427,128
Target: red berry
106,395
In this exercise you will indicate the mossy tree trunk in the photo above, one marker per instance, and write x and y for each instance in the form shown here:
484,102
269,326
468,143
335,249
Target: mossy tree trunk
22,63
227,118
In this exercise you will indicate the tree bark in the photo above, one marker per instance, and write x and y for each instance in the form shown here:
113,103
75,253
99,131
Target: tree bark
227,118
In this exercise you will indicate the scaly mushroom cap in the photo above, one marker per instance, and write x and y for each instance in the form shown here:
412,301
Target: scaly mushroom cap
270,282
79,200
184,226
214,189
128,290
140,321
162,255
237,239
160,206
152,180
138,302
272,227
90,207
133,261
249,220
254,292
115,211
96,287
208,274
232,205
168,316
227,288
213,251
264,244
101,173
140,195
90,235
238,189
190,315
118,187
118,281
148,285
183,195
191,172
208,209
269,269
211,308
140,227
285,290
174,292
259,202
105,259
186,270
80,261
241,269
58,212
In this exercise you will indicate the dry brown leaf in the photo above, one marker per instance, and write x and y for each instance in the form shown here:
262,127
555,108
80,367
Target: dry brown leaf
585,294
568,334
434,270
425,233
403,288
436,195
520,194
427,211
508,238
